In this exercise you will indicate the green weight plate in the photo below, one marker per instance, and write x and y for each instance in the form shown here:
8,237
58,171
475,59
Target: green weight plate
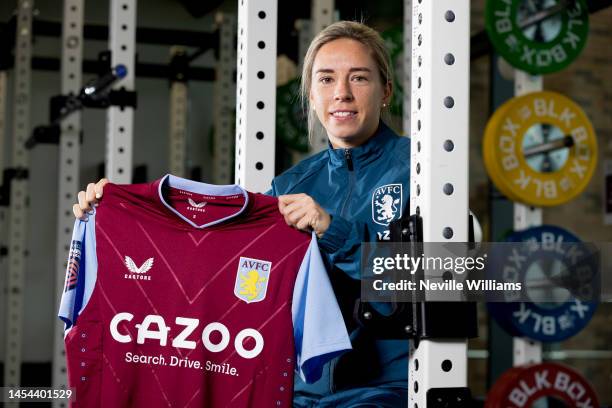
291,120
535,44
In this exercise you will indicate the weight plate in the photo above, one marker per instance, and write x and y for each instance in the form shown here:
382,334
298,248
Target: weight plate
498,390
291,120
488,144
544,259
532,42
529,123
540,381
394,41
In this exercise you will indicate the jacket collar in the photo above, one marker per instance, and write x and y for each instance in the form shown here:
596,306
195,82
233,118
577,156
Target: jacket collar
365,153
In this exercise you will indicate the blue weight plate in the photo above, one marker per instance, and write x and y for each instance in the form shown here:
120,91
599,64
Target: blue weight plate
546,258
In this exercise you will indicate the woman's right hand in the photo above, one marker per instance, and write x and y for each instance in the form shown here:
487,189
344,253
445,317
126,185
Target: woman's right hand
88,199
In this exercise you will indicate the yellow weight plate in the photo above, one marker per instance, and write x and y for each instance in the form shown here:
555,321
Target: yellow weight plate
495,172
488,144
530,121
492,134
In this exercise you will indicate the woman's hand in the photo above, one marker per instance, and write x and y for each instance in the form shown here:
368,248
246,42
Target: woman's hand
304,213
88,198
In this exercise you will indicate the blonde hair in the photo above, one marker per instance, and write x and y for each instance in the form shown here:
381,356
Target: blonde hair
343,29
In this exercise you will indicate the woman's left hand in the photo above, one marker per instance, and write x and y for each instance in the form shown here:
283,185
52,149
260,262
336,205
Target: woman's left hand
304,213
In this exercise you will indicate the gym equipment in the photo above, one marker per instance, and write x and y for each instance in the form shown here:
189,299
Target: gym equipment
539,36
522,386
540,149
546,257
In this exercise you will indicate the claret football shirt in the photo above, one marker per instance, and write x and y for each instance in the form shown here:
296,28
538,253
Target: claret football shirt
184,294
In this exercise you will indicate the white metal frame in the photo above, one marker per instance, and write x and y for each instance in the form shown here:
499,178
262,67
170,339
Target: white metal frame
407,62
526,350
18,212
120,121
177,151
304,29
322,15
439,163
256,94
225,99
68,175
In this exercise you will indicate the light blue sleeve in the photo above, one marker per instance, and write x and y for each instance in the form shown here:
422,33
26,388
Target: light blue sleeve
318,327
81,271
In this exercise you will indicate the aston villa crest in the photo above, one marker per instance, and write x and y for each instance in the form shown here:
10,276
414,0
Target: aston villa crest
252,279
387,204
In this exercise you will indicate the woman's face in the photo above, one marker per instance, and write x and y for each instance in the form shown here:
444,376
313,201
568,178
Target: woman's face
347,92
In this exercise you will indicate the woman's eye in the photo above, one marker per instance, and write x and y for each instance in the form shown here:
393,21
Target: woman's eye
359,78
325,80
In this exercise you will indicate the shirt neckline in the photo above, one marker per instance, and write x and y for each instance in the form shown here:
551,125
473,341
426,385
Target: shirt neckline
204,189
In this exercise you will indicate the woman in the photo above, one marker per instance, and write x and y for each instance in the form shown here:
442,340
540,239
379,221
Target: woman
347,194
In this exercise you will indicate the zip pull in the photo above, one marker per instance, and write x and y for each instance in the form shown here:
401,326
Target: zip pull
349,159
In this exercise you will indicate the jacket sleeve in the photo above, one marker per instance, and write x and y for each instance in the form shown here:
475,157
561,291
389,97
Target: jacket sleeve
341,244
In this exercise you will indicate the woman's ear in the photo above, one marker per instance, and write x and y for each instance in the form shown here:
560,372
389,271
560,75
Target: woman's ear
388,88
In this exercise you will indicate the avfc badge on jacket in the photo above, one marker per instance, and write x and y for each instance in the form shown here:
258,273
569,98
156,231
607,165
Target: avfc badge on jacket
252,279
387,204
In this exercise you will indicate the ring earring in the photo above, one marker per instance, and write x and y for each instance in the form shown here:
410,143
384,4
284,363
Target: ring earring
384,105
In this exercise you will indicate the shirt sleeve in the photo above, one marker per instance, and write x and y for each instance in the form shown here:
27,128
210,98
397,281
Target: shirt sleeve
81,271
319,330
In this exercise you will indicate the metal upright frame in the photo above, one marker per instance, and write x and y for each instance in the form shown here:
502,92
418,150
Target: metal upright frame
407,62
322,15
439,166
304,28
225,99
256,94
68,174
177,151
3,209
526,350
120,120
3,113
18,211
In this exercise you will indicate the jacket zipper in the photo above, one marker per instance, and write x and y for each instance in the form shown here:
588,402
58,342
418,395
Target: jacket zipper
348,157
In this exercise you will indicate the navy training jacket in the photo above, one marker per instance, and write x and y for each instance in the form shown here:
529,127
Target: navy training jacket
364,189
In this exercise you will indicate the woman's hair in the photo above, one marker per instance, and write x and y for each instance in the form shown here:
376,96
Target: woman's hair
342,29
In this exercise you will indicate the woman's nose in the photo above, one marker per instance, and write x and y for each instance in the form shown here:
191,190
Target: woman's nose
343,91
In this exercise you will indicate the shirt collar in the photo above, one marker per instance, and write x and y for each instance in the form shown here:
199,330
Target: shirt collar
365,153
199,188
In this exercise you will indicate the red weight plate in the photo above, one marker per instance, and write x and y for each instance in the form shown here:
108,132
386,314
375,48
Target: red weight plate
499,389
548,380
